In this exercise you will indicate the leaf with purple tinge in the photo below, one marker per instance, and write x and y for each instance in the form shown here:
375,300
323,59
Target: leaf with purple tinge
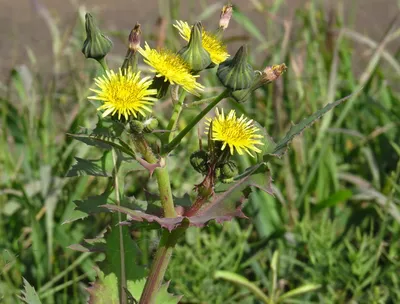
219,209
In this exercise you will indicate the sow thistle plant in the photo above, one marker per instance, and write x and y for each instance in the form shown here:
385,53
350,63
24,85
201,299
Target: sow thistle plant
125,98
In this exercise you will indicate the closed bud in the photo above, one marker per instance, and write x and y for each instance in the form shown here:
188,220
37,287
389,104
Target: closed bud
225,17
236,73
136,127
229,169
218,172
194,53
131,57
150,124
199,161
134,38
267,76
96,45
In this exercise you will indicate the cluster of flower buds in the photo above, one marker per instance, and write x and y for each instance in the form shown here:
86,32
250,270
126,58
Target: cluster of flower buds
141,126
223,169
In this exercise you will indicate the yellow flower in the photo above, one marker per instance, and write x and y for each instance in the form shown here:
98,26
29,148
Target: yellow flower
237,133
124,94
172,67
210,42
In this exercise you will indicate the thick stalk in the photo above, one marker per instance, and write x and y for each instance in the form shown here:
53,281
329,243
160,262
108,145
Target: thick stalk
170,146
168,239
162,176
159,266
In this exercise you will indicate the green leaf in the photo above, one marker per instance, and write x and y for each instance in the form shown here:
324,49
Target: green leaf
246,23
29,294
336,198
268,143
92,204
103,143
282,145
242,281
95,167
106,135
300,290
105,290
107,287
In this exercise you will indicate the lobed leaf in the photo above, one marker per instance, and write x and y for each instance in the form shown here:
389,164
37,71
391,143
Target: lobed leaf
108,285
96,167
219,209
282,146
29,294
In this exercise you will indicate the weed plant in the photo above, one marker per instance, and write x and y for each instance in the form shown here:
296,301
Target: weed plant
328,235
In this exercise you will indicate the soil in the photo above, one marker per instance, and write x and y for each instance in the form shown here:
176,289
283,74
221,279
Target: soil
22,28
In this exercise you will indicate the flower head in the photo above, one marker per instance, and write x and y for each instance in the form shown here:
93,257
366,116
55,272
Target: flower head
172,67
125,94
211,43
237,133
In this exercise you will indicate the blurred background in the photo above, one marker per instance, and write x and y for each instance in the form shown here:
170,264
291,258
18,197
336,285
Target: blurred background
335,219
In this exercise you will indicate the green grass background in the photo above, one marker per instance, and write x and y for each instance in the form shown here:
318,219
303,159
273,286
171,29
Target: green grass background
335,218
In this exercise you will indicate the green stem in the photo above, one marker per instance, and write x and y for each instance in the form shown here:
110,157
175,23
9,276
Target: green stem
103,63
121,239
161,173
168,239
159,266
175,115
170,146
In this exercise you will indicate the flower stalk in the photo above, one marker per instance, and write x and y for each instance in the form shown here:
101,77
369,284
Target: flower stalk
175,115
176,141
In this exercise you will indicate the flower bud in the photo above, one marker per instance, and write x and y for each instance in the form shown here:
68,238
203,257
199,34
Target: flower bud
96,45
131,57
134,38
199,161
136,127
236,73
225,17
229,169
150,124
194,53
269,74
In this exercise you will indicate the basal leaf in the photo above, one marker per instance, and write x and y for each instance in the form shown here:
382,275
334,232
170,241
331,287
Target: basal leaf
281,147
164,297
104,290
29,294
108,286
